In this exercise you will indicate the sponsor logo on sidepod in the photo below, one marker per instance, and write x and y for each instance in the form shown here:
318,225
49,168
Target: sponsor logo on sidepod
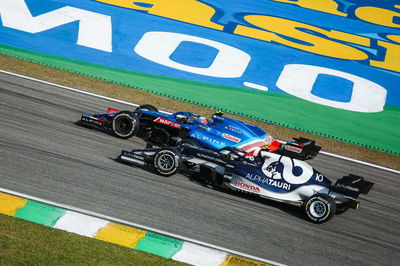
294,149
168,122
208,139
233,129
268,181
246,186
231,138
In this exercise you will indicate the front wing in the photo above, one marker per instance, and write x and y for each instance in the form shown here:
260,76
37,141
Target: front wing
92,121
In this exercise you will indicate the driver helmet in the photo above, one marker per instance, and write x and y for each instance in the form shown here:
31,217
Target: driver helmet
203,120
266,148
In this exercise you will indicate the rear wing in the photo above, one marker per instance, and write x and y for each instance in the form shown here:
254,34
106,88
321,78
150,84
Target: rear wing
352,185
301,149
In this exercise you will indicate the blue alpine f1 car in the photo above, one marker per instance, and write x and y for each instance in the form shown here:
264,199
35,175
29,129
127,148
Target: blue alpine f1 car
181,128
270,175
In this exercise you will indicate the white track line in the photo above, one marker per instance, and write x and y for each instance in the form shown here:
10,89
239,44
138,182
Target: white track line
136,105
360,162
109,218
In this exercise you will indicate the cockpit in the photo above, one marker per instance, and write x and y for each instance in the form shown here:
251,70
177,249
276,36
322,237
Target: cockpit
190,118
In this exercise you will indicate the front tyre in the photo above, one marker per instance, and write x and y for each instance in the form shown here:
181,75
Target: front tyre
320,208
124,125
167,162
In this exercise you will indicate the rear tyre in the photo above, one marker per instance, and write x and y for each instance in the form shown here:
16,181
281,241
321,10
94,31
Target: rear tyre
320,208
167,162
147,107
124,125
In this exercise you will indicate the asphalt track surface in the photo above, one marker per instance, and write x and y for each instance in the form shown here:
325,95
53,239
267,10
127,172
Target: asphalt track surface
45,154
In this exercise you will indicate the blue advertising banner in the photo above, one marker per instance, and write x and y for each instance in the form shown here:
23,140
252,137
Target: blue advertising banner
336,53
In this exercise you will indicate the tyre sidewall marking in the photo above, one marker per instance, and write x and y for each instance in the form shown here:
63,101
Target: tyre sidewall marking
325,202
170,153
128,117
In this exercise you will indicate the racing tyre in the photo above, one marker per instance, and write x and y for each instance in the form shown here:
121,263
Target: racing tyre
167,162
320,208
124,125
147,107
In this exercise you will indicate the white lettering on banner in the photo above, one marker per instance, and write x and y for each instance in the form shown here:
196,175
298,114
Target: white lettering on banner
94,30
298,80
229,62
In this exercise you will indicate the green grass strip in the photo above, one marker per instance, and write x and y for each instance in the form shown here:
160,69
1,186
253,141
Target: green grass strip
40,213
379,131
159,245
26,243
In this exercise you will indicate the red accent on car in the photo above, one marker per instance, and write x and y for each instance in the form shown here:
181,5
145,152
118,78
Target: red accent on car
243,185
167,122
112,110
274,146
259,143
293,149
231,138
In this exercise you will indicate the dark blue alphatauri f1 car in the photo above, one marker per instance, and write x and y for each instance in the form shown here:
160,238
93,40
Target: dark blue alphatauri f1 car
270,175
161,129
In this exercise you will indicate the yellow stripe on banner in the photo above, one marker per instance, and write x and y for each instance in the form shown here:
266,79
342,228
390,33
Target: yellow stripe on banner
10,204
120,234
233,260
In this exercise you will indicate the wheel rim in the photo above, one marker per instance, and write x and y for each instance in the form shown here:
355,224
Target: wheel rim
318,209
124,125
166,162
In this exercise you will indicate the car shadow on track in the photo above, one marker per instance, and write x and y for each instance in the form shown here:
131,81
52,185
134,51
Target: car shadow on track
286,208
104,130
194,177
